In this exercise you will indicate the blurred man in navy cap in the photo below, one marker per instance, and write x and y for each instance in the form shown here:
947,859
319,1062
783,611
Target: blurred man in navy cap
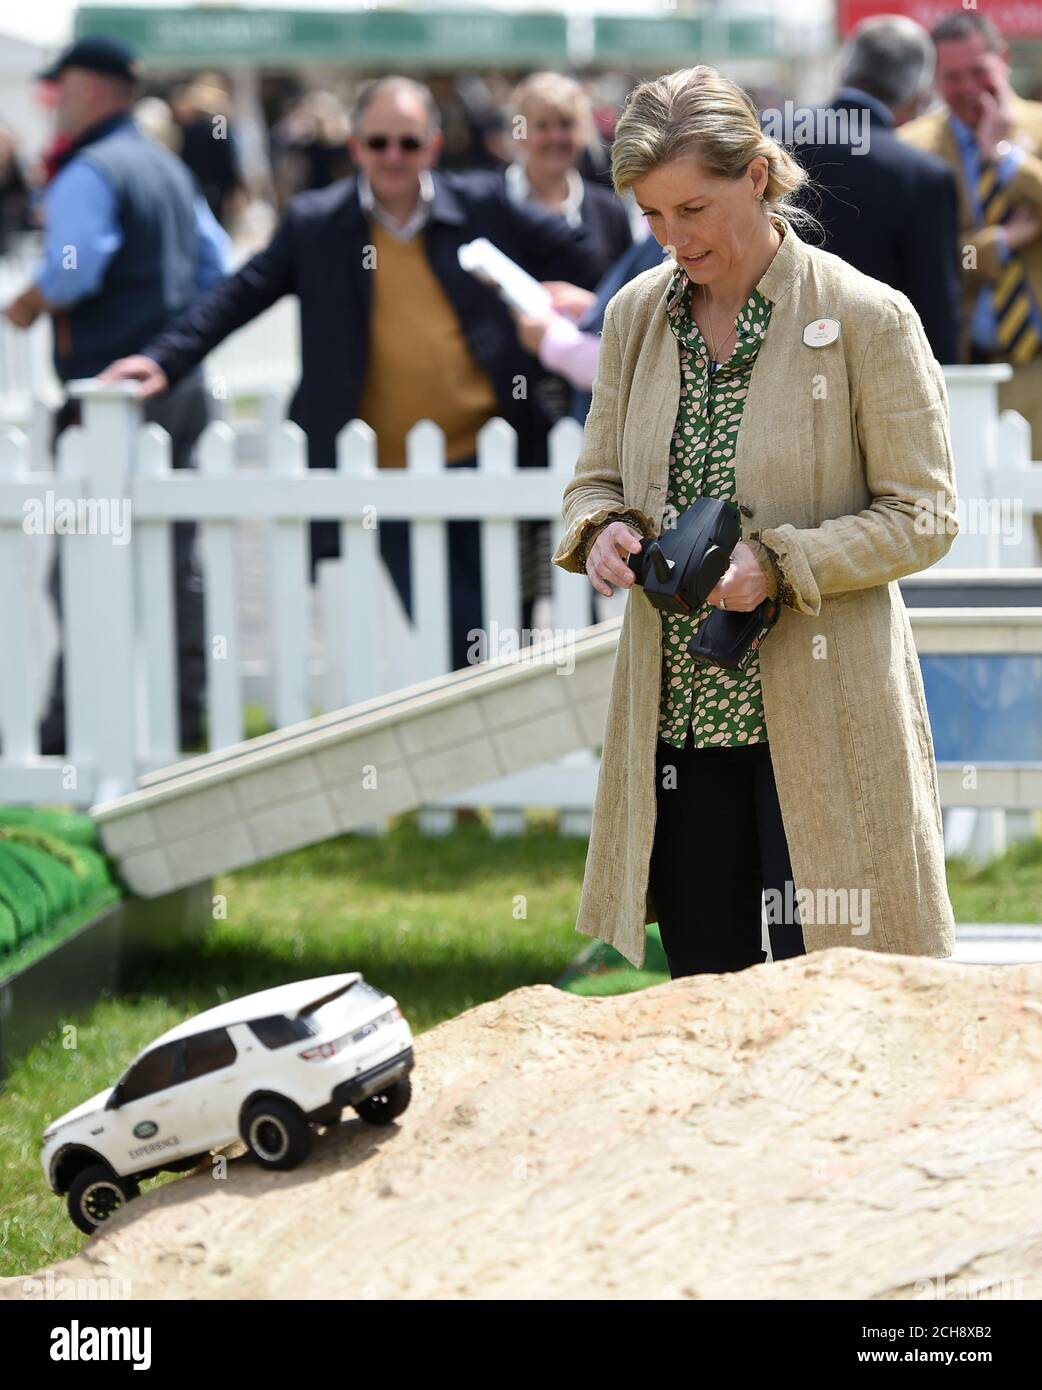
129,242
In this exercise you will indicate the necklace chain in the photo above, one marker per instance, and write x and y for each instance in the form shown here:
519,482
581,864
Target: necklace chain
715,361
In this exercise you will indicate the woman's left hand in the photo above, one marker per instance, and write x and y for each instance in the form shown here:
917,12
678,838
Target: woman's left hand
531,329
744,586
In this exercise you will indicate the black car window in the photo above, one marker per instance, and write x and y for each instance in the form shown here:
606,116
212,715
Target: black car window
156,1071
280,1031
207,1052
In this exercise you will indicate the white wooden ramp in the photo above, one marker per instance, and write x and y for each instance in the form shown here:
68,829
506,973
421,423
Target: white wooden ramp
487,725
309,781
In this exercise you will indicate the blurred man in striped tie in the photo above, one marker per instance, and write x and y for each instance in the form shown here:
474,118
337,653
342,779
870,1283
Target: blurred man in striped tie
993,139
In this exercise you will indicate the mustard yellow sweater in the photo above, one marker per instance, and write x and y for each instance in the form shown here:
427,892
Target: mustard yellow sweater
420,366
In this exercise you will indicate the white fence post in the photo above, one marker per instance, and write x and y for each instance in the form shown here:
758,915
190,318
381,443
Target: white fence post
156,606
500,578
17,706
221,586
425,457
352,627
1017,482
288,590
500,570
97,587
973,409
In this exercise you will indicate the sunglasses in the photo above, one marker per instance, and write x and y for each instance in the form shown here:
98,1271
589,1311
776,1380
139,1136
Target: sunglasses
407,143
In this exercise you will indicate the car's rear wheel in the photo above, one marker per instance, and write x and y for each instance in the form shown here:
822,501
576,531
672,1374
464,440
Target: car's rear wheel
277,1134
95,1193
386,1105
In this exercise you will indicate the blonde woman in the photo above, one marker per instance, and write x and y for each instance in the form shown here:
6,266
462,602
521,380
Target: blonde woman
758,369
551,123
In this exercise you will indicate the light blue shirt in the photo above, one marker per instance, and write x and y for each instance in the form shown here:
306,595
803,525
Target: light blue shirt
983,325
82,233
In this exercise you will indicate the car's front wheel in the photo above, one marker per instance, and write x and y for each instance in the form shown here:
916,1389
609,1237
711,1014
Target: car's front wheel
95,1193
386,1105
277,1134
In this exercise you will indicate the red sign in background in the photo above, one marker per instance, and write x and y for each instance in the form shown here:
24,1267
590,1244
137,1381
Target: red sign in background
1014,19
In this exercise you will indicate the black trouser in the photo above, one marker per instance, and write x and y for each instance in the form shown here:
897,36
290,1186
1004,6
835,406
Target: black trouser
464,543
183,412
719,843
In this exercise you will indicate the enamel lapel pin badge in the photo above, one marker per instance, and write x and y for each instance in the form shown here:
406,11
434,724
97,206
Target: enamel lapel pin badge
821,332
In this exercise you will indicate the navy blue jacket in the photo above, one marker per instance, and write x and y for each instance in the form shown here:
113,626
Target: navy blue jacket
890,211
317,254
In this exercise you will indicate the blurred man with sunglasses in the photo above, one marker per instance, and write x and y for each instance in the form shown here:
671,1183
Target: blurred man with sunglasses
393,330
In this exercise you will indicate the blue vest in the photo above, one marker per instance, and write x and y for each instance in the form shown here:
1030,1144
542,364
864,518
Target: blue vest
151,278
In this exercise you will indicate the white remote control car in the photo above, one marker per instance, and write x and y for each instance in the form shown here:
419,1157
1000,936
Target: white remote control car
264,1069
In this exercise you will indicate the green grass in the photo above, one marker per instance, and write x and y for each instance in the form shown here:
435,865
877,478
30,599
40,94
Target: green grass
437,922
1009,889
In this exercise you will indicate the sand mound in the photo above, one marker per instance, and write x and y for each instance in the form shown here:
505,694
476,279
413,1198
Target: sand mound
847,1124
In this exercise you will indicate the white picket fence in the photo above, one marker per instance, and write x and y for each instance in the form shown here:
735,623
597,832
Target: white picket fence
118,599
999,486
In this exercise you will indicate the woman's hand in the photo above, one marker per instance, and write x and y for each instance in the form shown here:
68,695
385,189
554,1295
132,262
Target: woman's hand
531,330
744,586
606,562
570,300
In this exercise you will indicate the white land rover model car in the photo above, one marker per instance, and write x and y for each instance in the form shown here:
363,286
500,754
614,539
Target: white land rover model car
264,1069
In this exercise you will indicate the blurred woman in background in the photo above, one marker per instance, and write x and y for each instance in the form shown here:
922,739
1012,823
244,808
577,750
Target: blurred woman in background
551,123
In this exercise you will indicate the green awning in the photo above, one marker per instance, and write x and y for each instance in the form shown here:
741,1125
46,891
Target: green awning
210,35
678,42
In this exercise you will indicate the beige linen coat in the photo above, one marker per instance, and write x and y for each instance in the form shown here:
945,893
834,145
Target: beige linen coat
844,458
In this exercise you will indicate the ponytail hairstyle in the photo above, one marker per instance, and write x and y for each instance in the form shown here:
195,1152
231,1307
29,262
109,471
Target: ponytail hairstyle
699,112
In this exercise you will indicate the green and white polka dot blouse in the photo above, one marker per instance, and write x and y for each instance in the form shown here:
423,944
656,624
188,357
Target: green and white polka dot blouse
724,707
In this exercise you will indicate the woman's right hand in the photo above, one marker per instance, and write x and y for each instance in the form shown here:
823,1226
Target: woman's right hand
606,562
